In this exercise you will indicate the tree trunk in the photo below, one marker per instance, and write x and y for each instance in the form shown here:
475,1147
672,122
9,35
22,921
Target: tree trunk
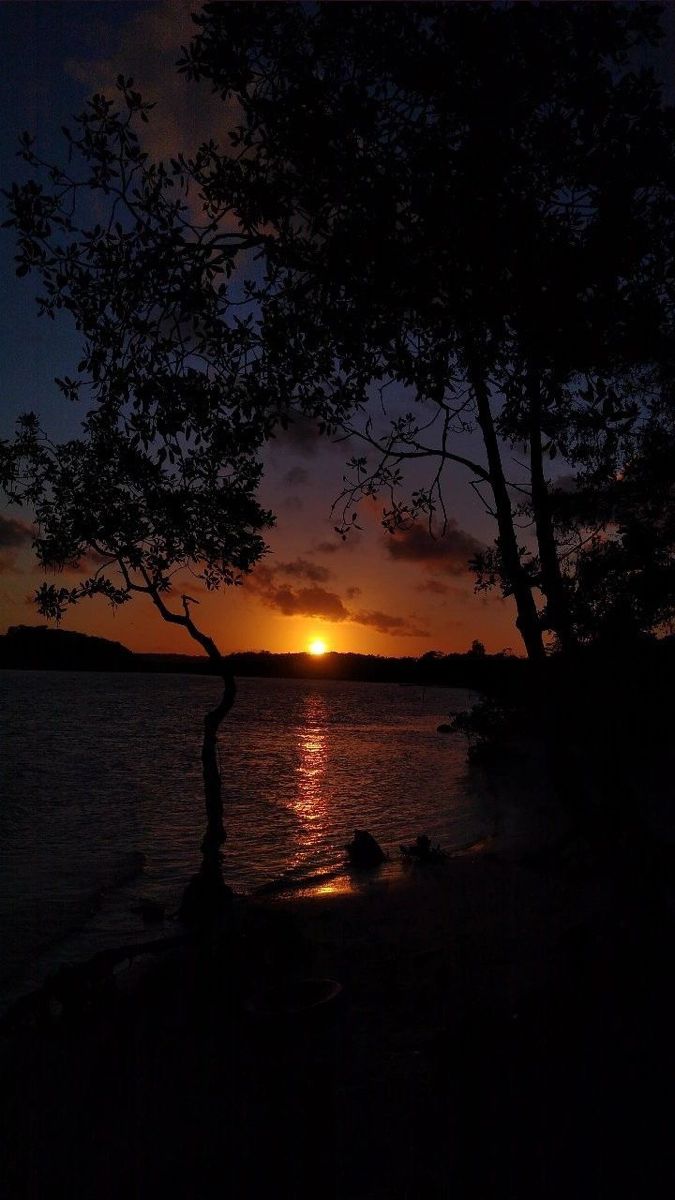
552,583
527,620
215,829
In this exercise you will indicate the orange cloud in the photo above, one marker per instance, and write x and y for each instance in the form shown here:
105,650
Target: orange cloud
14,533
319,602
338,543
14,536
303,569
148,48
433,585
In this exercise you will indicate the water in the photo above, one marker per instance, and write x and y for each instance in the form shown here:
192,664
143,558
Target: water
102,800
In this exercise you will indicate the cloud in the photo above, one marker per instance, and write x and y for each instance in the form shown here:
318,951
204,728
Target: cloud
307,601
13,533
305,570
301,436
433,585
565,483
437,588
352,592
385,623
297,476
317,601
338,543
443,555
148,47
291,504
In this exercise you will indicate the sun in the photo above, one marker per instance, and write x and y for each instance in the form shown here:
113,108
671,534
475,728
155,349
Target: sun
317,646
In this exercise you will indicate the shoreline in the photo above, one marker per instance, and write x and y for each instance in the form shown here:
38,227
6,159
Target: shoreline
430,962
523,817
496,1028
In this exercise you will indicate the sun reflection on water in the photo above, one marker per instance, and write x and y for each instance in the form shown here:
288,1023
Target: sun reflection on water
312,759
310,794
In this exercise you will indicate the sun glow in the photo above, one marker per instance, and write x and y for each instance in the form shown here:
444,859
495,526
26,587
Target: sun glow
317,646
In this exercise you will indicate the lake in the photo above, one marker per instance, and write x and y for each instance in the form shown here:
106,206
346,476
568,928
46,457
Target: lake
102,794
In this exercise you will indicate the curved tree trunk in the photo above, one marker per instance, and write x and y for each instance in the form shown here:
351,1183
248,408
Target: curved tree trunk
215,829
527,620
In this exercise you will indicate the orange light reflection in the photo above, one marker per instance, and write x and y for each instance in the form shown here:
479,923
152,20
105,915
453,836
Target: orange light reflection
311,768
309,801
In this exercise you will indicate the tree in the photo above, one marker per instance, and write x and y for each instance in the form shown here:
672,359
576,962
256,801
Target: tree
160,485
623,581
469,201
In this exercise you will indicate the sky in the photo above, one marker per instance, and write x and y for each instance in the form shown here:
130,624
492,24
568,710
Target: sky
374,593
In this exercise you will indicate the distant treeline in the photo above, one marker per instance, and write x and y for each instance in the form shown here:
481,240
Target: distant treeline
41,648
38,648
635,676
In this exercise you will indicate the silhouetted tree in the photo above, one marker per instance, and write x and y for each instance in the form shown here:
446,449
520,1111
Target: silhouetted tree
623,578
161,481
470,201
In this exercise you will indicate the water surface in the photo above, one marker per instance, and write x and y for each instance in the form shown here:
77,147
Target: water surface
102,802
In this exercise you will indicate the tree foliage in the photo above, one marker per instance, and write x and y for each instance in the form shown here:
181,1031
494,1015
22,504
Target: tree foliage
161,482
471,202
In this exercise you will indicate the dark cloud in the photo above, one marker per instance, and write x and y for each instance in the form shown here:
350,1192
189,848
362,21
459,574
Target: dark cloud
302,436
385,623
88,563
308,601
303,569
433,585
292,504
337,543
296,477
317,601
565,483
436,587
446,554
352,592
13,533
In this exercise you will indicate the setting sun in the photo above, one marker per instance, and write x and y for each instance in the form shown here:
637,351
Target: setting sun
317,646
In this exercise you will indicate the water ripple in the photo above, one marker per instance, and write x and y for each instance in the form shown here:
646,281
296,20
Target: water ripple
100,766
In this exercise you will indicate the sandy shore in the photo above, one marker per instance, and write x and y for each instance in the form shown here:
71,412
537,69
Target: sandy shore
501,1029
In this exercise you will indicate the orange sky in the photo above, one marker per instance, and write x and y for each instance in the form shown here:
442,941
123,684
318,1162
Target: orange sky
239,620
372,594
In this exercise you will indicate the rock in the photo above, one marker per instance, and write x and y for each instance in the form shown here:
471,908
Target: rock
364,851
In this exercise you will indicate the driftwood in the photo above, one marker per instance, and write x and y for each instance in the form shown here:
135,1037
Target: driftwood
422,851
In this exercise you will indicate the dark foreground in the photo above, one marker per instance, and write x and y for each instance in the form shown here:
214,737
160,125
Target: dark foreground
504,1029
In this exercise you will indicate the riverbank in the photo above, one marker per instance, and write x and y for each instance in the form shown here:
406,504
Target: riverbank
501,1030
